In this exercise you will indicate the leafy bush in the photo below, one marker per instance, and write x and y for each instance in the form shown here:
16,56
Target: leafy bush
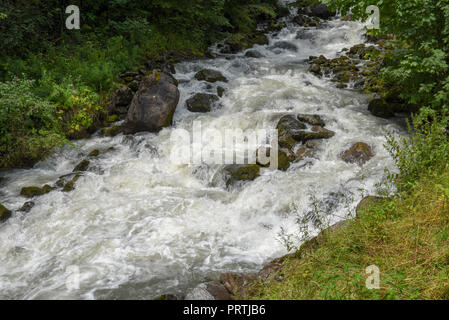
28,125
427,149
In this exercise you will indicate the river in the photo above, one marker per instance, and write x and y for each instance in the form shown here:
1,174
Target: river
138,226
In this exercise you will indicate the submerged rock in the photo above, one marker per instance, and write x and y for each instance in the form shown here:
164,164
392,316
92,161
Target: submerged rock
153,106
201,102
253,54
210,75
243,172
27,206
284,45
359,153
209,291
5,214
220,91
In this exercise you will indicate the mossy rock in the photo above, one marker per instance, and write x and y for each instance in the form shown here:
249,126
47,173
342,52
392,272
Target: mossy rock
210,75
70,186
316,133
285,158
312,119
380,108
31,192
82,166
94,153
201,102
113,131
5,214
286,127
247,172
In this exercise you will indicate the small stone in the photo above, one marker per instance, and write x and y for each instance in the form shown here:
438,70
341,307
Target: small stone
70,186
31,192
210,76
311,119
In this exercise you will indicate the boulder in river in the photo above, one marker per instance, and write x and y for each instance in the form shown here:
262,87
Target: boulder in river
284,45
27,206
82,166
241,172
287,126
4,213
122,98
359,153
253,54
209,291
312,119
31,192
316,133
210,75
153,106
201,102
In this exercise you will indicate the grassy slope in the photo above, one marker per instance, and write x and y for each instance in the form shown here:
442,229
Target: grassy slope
406,237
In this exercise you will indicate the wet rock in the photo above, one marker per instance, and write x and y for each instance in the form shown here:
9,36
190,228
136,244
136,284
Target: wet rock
302,153
122,97
210,75
5,214
240,42
316,134
113,131
201,102
209,291
284,45
322,11
285,158
31,192
359,153
237,284
82,166
287,126
253,54
304,34
315,69
27,206
220,91
312,119
244,172
70,186
365,203
153,106
94,153
380,108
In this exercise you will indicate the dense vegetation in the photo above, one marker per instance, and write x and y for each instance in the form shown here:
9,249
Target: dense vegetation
405,235
64,77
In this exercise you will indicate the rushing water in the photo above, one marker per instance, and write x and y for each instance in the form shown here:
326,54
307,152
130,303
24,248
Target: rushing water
138,226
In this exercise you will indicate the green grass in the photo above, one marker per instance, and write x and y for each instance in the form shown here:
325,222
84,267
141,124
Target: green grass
406,236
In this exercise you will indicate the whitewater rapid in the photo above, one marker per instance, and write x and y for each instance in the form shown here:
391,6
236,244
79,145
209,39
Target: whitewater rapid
138,226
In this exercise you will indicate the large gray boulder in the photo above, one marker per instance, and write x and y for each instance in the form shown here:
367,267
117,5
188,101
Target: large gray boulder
153,105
